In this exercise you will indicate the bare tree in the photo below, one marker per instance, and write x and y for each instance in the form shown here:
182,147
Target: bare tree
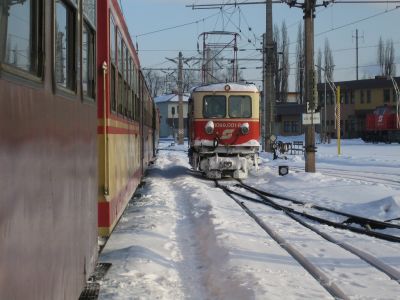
328,58
281,65
284,66
390,67
381,55
319,64
300,63
386,56
277,73
154,82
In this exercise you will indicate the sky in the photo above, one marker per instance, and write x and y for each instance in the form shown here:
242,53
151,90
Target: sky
337,23
183,238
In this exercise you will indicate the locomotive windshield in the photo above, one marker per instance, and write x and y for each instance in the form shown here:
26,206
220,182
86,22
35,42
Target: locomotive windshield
214,106
239,107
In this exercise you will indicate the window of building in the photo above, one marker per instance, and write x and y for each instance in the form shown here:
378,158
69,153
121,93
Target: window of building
368,96
214,106
346,97
65,53
361,96
286,126
23,32
295,126
351,97
239,106
88,61
386,96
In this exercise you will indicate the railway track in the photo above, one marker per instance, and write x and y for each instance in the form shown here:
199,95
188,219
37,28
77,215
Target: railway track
295,210
369,177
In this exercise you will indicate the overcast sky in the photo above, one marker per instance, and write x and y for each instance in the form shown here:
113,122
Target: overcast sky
337,23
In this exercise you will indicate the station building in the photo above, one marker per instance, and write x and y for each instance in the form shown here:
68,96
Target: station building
358,98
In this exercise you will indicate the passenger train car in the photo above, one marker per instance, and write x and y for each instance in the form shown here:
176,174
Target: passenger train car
48,149
224,129
77,130
127,117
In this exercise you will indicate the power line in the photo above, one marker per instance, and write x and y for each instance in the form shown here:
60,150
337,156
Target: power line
357,21
177,26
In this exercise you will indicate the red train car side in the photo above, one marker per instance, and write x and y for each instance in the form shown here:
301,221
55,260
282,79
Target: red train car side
48,149
382,125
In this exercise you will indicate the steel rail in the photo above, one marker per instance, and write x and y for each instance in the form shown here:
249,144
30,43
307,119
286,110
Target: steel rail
368,258
353,218
269,202
314,271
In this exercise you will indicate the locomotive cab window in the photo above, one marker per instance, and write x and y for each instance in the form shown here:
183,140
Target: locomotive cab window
214,106
239,107
21,33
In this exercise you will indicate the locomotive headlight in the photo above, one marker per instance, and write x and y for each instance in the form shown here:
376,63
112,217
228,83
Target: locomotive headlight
209,128
245,128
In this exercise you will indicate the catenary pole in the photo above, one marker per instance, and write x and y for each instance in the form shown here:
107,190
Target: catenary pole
181,130
268,82
309,10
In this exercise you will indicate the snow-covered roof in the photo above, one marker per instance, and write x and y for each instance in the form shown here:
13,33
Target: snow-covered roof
220,87
170,98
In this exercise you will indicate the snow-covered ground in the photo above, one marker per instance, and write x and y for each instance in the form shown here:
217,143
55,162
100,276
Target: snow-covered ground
182,238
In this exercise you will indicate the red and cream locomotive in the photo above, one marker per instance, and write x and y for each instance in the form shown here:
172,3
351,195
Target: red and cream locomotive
224,129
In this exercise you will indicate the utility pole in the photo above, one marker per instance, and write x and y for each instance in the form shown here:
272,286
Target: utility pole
269,93
357,37
356,54
309,10
181,130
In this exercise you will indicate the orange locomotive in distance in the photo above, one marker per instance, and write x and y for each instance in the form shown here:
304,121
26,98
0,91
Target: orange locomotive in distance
224,129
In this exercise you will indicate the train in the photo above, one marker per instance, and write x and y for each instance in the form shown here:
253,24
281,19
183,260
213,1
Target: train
224,129
383,125
78,129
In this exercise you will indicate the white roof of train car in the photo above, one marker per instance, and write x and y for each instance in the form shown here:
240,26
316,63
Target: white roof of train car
220,87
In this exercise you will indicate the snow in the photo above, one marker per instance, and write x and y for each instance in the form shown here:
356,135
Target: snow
183,238
218,87
170,98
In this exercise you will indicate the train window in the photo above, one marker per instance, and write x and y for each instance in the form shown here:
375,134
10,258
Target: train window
113,58
89,10
120,93
112,89
22,28
239,106
112,40
214,106
119,45
123,63
65,46
88,61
